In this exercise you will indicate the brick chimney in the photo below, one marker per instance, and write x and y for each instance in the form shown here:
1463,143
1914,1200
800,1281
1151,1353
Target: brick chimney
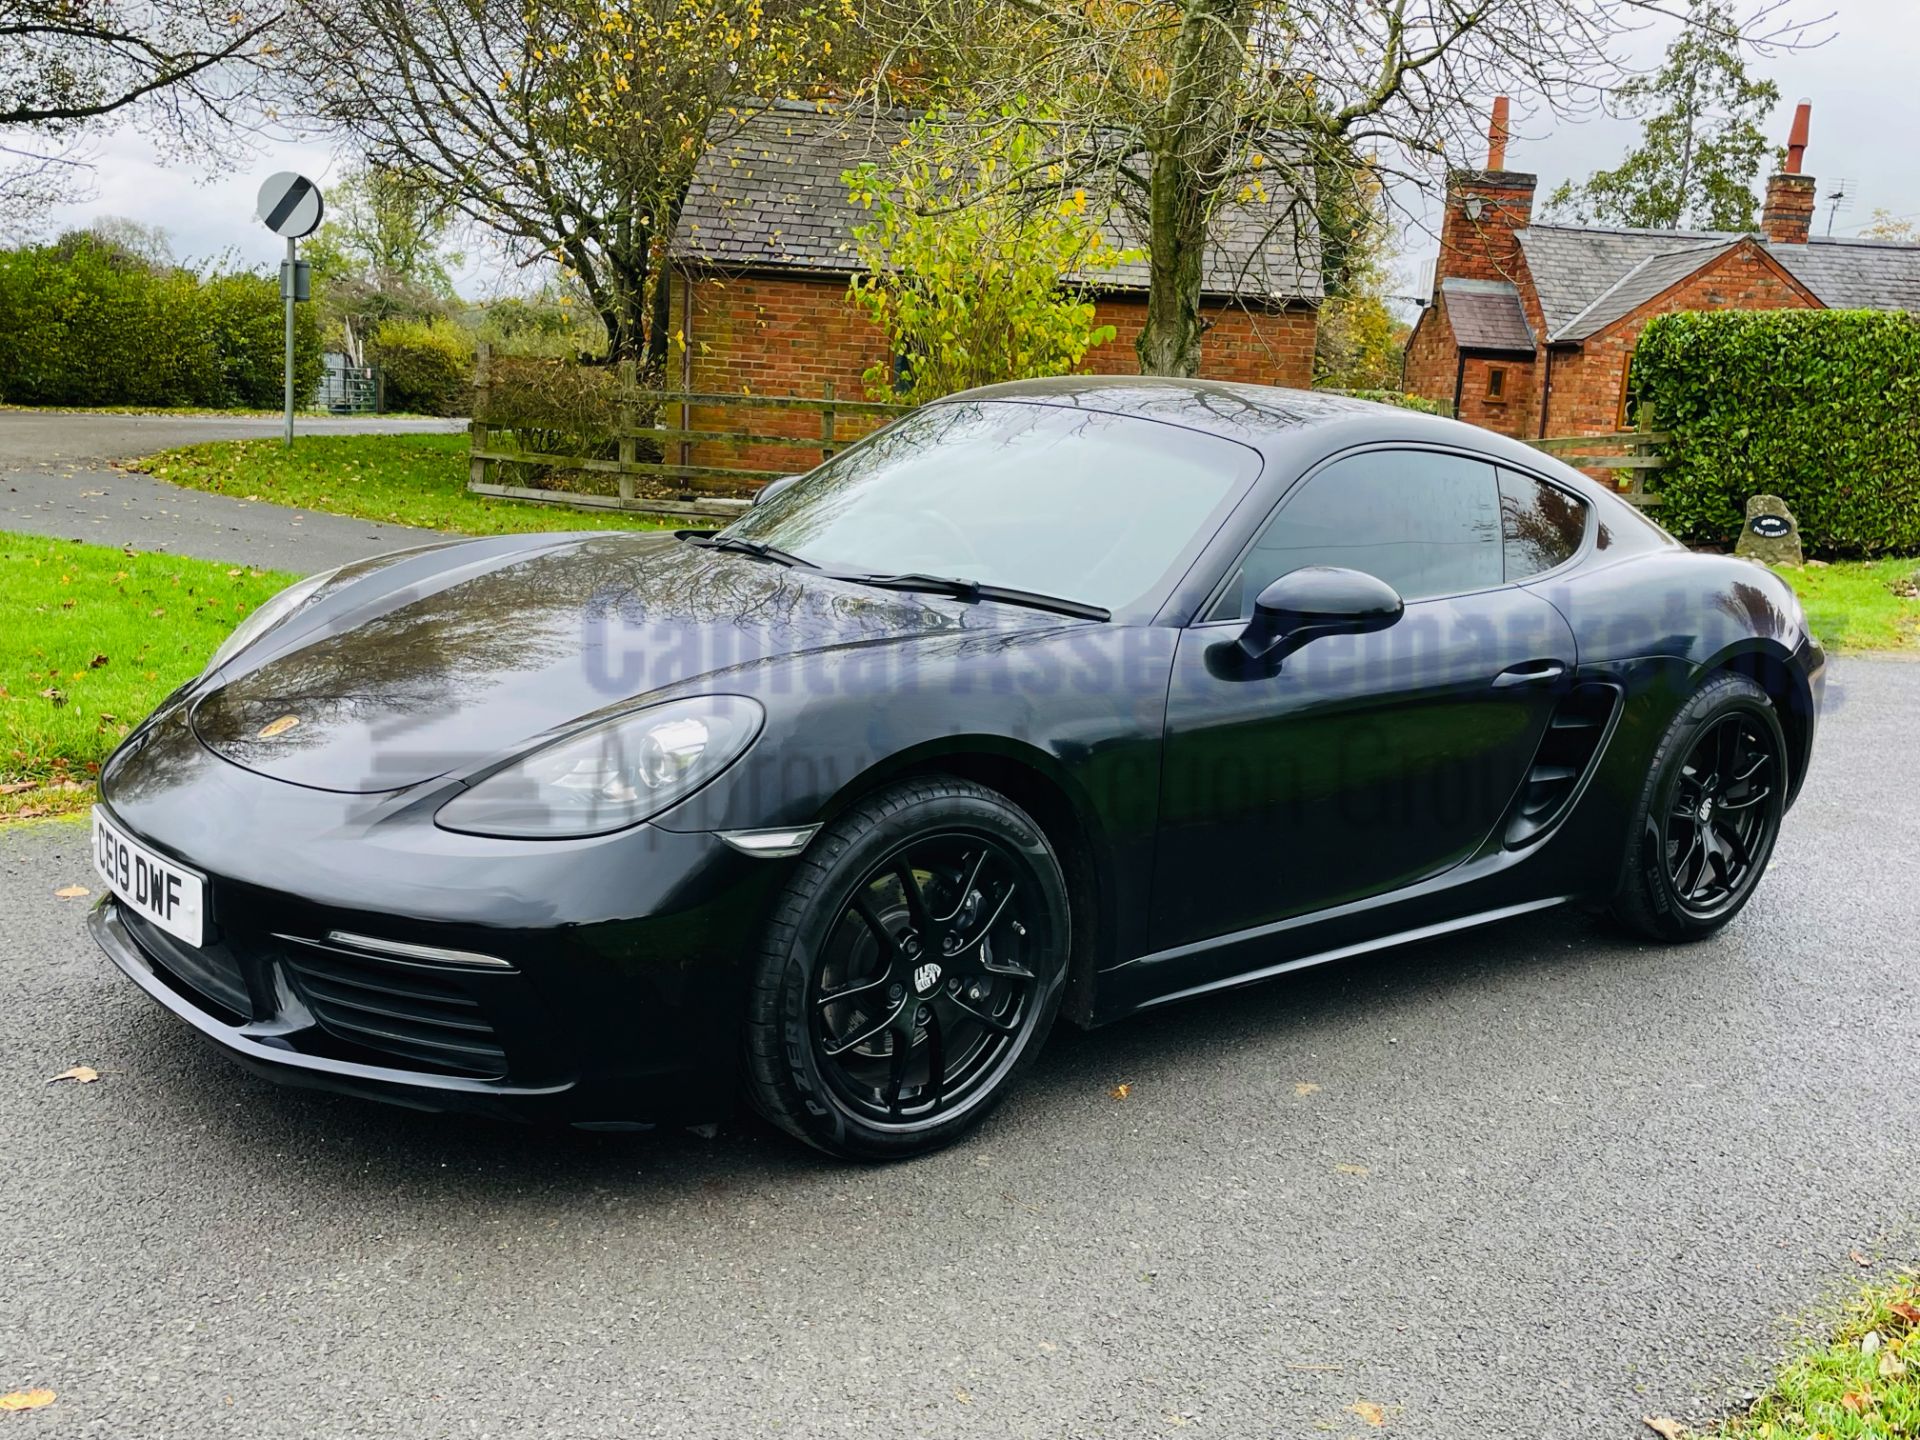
1484,209
1788,217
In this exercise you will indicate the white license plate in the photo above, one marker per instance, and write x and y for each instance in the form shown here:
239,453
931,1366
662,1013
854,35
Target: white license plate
154,887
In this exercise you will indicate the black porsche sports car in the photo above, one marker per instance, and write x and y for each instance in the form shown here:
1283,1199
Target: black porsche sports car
1065,697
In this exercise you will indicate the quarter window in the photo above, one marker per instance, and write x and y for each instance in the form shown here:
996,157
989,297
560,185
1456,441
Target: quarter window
1428,524
1542,526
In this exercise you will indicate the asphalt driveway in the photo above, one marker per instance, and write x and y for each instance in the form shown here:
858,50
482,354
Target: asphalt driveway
1537,1181
56,479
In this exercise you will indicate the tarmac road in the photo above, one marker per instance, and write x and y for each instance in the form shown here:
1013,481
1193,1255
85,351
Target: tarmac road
1537,1181
56,479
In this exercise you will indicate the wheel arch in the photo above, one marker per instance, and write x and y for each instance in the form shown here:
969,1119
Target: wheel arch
1770,666
1039,785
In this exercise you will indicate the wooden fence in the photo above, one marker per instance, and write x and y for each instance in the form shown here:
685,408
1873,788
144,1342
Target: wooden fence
804,428
1626,459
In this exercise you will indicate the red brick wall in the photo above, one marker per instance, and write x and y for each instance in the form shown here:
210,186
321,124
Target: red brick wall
788,336
1483,248
1513,411
1260,347
1586,383
1432,358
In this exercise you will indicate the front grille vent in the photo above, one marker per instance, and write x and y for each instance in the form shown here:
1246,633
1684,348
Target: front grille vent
397,1009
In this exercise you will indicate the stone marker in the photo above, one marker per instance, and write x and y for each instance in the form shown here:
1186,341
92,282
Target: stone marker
1770,534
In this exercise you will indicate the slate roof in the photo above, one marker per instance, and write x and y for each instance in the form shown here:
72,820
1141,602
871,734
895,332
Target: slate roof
1587,277
1487,315
768,195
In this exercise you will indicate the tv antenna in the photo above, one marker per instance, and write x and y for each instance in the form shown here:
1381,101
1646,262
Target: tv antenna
1840,198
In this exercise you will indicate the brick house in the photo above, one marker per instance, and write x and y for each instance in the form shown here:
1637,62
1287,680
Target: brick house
763,252
1531,327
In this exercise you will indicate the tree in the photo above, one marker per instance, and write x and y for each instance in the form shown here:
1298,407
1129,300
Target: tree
567,128
1175,109
1885,225
184,68
1702,144
1357,340
387,228
972,293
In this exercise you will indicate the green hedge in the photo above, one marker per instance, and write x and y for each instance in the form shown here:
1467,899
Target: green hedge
427,365
1819,407
1391,397
85,323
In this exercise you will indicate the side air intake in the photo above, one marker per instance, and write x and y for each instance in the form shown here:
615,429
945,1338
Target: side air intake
1573,739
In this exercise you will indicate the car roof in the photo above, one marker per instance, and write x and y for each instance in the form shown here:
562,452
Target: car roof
1292,429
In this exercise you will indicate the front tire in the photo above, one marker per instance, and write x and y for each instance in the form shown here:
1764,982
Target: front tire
909,973
1707,819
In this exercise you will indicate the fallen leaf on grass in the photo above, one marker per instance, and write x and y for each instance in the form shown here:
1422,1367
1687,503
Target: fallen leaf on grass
1121,1091
55,694
79,1074
96,662
1856,1402
26,1400
71,892
1869,1342
1892,1367
1908,1313
1368,1411
1305,1087
16,787
1672,1429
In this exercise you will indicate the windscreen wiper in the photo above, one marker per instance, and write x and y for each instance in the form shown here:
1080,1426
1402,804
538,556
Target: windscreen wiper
760,550
964,589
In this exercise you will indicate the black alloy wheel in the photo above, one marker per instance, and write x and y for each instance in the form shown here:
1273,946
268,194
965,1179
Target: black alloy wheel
1720,818
912,969
1709,814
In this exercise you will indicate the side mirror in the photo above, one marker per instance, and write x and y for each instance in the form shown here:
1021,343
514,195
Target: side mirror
1317,600
773,488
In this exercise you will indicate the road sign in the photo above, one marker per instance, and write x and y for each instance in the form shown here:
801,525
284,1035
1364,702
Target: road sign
290,205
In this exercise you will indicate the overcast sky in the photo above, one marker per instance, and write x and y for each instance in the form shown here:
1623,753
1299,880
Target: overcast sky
1864,83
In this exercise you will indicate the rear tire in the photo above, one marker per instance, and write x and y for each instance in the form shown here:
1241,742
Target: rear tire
1706,821
885,1021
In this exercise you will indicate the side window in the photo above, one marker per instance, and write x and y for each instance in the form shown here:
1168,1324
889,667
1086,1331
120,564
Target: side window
1542,526
1427,524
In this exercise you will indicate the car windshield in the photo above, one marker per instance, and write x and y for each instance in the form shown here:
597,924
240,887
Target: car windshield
1078,504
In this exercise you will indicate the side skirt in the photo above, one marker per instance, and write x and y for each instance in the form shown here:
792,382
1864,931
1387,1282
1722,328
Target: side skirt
1300,962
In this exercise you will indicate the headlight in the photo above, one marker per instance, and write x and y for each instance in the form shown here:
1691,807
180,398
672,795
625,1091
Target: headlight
269,615
610,776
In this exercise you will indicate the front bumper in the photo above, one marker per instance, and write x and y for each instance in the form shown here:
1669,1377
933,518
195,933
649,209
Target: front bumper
620,979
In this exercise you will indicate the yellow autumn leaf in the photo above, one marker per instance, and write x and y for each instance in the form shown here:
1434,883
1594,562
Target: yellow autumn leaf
79,1074
1305,1087
71,892
26,1400
1368,1411
1350,1170
1121,1091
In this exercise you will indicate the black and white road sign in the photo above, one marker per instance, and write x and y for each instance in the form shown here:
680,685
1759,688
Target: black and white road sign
290,205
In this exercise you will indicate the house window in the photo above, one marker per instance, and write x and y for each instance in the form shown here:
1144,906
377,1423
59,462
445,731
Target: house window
1624,420
1496,382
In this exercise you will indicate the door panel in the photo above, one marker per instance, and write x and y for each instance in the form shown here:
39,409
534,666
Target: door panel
1362,765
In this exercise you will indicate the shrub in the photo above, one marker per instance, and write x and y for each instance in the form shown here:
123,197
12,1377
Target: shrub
85,322
1819,407
428,365
1392,397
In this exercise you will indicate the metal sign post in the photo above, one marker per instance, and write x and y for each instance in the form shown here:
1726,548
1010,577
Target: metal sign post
291,205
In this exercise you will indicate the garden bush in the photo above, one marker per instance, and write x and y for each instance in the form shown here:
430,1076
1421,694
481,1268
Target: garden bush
1819,407
428,365
84,322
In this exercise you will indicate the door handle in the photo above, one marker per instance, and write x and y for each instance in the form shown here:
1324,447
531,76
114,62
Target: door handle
1533,672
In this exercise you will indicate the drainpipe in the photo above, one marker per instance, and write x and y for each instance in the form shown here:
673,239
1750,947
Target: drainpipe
1546,388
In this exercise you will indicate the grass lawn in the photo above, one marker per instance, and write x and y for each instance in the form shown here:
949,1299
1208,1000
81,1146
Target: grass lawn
1854,604
1863,1384
94,639
404,479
